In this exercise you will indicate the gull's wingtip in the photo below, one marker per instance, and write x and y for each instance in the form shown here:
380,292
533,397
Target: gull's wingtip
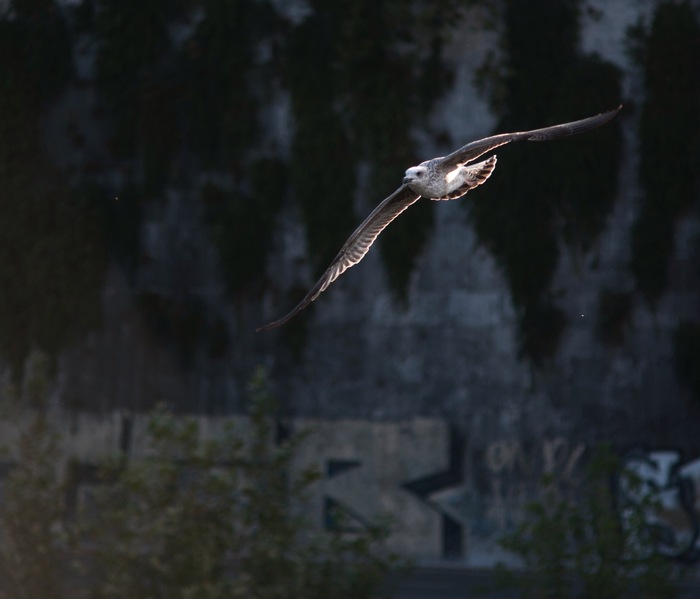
280,321
271,325
609,114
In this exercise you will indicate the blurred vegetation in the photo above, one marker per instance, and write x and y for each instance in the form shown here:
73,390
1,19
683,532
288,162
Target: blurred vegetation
231,213
686,355
135,88
382,101
182,88
590,547
221,515
322,165
546,196
33,540
179,322
669,131
614,311
358,82
217,60
668,51
52,256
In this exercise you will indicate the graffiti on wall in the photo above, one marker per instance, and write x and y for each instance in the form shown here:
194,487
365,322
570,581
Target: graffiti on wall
671,490
481,494
446,499
518,474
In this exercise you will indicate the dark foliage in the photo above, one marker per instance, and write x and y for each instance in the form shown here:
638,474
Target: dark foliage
221,112
591,546
669,139
614,311
544,194
242,223
359,77
686,355
322,163
209,512
51,256
135,91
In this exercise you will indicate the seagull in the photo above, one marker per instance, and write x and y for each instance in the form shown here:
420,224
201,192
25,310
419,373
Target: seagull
443,178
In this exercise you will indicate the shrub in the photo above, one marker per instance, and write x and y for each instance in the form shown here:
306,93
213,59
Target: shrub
590,547
32,512
221,518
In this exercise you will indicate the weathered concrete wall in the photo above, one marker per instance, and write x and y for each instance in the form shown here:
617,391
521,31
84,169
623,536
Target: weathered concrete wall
451,351
435,387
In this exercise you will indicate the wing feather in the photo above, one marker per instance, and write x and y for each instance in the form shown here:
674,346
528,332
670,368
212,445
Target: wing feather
355,247
476,148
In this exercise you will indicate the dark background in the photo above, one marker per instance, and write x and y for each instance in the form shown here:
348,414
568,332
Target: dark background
175,174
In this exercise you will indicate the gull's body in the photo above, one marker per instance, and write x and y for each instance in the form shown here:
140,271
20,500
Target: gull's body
443,178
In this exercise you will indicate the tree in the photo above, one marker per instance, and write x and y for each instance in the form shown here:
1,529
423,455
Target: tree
221,517
590,548
32,512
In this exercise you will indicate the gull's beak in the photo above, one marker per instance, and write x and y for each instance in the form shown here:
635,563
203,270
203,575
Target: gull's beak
405,180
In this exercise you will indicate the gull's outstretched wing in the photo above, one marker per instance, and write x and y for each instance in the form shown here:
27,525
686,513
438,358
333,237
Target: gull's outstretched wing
476,148
355,247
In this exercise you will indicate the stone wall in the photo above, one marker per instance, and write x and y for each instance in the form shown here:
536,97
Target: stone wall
424,410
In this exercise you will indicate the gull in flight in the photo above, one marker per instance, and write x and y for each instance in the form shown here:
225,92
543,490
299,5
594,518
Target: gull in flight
443,178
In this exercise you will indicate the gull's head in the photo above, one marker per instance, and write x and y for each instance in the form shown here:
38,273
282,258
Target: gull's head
415,174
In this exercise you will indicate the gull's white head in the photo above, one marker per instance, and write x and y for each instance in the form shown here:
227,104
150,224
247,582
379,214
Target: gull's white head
415,174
